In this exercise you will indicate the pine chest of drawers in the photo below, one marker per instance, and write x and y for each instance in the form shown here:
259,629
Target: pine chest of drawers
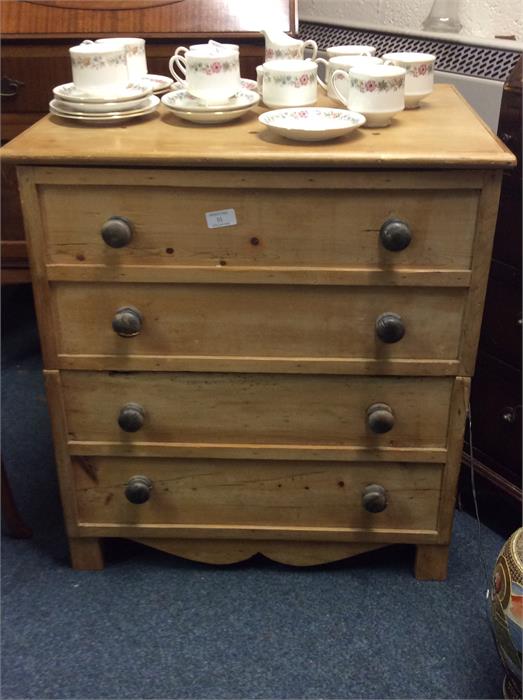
295,383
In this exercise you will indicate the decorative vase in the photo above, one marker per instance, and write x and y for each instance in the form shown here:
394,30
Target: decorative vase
506,608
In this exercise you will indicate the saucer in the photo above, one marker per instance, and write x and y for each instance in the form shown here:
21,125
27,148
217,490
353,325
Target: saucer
70,93
312,123
183,101
217,117
158,83
86,108
108,117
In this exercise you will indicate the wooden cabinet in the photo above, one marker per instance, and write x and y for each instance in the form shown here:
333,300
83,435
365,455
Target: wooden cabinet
294,384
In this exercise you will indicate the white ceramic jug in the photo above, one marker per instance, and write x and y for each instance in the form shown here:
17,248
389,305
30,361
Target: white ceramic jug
279,45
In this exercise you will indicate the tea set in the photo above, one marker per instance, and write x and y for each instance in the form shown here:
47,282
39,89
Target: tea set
111,83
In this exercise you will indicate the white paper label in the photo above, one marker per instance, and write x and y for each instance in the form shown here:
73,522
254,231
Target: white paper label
218,219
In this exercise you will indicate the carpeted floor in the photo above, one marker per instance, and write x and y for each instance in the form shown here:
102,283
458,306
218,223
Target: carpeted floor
155,626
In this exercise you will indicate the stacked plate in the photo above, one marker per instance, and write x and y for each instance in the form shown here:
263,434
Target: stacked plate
134,101
193,109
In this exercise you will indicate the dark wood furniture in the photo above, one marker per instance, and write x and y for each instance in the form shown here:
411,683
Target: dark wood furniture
36,36
496,388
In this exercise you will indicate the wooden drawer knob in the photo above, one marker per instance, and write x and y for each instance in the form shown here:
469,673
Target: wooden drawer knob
138,489
389,328
380,418
127,322
131,417
374,498
395,235
117,231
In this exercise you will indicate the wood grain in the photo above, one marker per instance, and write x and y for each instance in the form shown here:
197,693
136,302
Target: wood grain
443,133
431,562
305,322
282,494
277,226
257,408
233,551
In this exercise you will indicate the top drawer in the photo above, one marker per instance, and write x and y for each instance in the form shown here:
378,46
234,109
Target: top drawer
288,219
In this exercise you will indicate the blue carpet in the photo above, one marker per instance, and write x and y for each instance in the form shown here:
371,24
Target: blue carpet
156,626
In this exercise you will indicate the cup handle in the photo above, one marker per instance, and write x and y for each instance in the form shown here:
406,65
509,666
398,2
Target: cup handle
181,49
312,45
338,94
388,62
183,69
323,84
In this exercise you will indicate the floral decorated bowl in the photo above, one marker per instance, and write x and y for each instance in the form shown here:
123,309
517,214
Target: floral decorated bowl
311,123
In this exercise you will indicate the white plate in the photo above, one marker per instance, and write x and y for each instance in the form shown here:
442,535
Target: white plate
183,101
86,109
70,93
158,83
216,117
109,117
312,123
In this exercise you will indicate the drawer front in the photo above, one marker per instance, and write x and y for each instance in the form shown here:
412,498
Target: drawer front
260,321
277,224
257,493
255,409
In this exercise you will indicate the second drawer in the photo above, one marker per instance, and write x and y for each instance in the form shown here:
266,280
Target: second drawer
258,321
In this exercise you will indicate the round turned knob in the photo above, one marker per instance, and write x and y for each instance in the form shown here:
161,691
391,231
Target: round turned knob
374,498
117,231
127,322
138,489
131,417
389,328
395,235
380,418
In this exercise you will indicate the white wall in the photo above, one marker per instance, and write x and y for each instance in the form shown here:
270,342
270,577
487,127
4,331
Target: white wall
480,18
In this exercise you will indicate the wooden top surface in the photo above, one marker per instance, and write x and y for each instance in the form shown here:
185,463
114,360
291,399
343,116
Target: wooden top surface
444,132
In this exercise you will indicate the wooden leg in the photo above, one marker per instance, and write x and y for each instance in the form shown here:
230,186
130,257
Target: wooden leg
431,562
86,554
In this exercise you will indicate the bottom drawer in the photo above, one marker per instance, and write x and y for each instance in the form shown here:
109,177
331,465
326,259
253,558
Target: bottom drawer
264,494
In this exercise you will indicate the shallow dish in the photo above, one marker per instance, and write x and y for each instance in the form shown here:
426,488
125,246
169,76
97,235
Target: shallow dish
70,93
312,123
152,103
158,83
86,108
217,117
183,101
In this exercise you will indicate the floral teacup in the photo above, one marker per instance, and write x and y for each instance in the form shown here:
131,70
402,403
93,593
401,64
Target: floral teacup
213,78
344,63
134,51
420,75
290,83
376,91
99,69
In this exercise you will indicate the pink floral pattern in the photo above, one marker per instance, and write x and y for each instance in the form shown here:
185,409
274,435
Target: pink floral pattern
97,62
288,52
215,67
379,85
419,70
285,79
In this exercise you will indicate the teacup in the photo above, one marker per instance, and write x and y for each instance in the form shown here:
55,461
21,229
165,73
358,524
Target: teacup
99,69
419,80
350,50
213,78
290,83
135,53
344,63
289,49
376,91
